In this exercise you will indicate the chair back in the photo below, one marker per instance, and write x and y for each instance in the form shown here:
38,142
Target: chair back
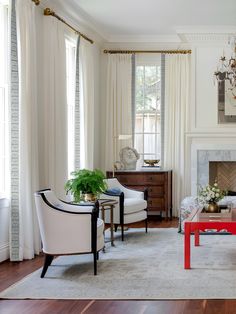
61,232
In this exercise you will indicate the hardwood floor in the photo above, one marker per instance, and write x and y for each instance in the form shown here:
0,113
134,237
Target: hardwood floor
11,272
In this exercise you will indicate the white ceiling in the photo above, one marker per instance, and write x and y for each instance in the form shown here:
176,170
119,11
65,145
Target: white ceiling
160,18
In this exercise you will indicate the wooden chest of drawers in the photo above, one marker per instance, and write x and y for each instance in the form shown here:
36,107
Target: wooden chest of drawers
158,183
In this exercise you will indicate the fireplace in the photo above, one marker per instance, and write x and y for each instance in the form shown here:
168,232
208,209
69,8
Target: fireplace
224,172
206,156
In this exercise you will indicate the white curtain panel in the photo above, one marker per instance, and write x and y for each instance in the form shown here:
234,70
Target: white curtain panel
86,104
54,106
118,106
29,238
177,85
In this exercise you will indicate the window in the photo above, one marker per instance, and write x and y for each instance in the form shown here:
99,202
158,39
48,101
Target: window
4,104
70,81
147,134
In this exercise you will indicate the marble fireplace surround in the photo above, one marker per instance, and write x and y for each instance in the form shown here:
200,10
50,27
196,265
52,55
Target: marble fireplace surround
201,155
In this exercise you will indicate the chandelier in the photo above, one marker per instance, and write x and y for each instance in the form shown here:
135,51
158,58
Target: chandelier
226,69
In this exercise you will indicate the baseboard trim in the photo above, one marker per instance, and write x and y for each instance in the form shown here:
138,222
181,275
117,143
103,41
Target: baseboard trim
4,252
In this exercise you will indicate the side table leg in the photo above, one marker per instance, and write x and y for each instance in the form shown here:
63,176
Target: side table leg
187,245
196,238
112,226
103,218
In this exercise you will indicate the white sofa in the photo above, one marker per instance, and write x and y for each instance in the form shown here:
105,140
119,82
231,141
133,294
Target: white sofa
189,206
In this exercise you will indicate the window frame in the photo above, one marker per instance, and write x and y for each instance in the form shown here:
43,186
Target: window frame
145,61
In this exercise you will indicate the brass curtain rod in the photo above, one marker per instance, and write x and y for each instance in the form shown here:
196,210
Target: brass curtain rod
49,12
149,51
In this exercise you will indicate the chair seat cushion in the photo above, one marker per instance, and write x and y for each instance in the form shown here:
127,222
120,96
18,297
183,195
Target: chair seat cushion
132,205
138,216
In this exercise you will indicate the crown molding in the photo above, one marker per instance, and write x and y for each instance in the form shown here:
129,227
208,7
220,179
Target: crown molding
197,34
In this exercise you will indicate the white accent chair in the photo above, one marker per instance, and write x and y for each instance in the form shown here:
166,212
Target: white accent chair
68,229
131,207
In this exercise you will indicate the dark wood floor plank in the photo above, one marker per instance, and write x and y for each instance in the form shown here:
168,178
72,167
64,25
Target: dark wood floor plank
42,306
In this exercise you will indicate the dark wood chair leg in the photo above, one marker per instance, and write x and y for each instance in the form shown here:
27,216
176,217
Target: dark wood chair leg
47,262
97,256
95,263
116,227
146,225
122,232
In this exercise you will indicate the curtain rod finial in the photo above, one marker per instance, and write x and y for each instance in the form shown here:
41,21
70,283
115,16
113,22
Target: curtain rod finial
37,2
48,11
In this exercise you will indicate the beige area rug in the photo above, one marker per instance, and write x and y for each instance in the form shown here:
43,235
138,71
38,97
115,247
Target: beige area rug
145,266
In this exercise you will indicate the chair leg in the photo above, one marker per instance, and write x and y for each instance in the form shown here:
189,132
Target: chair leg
95,263
47,262
116,227
146,225
122,232
97,256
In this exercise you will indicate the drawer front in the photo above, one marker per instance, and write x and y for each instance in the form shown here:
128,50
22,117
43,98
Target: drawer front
156,203
156,191
131,179
154,178
152,190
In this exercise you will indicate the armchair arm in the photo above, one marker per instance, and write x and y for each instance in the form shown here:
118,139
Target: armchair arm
131,193
72,208
120,199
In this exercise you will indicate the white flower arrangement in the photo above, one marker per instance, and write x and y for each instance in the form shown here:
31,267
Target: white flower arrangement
211,194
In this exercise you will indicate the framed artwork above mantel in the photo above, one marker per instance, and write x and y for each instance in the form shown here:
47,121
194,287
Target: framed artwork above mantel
226,103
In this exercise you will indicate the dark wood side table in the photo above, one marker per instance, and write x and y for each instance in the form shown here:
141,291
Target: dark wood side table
108,204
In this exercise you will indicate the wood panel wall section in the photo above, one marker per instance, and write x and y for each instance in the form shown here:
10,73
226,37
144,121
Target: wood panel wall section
158,183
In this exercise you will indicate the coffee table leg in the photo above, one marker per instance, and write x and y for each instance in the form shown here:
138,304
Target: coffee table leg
196,237
112,226
187,245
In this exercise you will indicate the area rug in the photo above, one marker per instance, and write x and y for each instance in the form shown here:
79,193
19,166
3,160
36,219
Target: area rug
145,266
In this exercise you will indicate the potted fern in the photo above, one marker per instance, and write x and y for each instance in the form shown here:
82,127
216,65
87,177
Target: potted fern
86,184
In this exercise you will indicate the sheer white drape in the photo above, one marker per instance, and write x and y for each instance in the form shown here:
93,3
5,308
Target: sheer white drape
54,106
86,104
29,240
118,105
177,85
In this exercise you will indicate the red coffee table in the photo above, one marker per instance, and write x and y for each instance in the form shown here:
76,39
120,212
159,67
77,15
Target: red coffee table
197,226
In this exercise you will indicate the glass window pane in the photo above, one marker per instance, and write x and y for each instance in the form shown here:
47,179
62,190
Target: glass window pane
139,88
158,146
149,123
152,85
149,143
138,142
158,124
139,123
140,162
149,156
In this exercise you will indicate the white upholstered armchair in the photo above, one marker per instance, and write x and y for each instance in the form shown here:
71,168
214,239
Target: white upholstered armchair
68,229
131,207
